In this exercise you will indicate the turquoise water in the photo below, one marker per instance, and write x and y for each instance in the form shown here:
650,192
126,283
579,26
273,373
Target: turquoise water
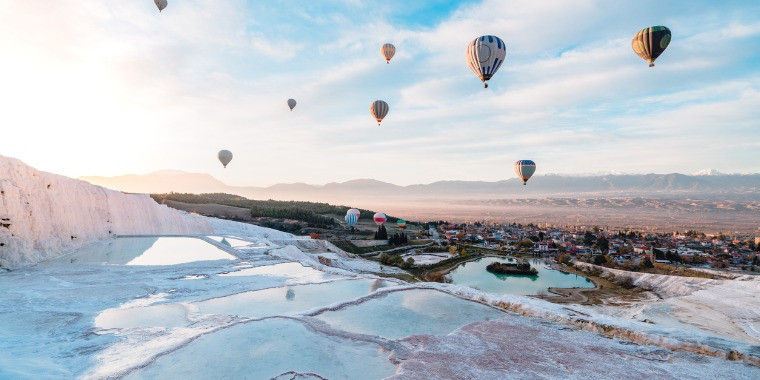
145,251
266,349
410,312
474,274
288,300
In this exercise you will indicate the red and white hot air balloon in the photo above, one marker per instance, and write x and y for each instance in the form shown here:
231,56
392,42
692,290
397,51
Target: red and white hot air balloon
380,218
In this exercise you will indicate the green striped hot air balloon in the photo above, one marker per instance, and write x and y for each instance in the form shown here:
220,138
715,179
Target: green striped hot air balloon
650,42
401,223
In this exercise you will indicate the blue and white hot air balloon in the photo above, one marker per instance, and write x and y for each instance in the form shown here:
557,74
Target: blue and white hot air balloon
485,55
351,219
524,170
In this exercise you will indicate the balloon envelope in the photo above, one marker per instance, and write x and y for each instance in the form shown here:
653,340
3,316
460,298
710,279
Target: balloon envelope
650,42
160,4
291,104
485,55
388,51
380,218
379,109
401,223
351,219
525,169
354,211
225,156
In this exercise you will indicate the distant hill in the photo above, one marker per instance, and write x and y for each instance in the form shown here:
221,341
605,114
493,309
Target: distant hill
660,185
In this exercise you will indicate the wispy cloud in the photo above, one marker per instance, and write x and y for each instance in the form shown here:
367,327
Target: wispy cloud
114,87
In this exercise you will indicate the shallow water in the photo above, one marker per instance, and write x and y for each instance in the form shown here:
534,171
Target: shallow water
235,243
288,300
474,274
265,349
410,312
145,251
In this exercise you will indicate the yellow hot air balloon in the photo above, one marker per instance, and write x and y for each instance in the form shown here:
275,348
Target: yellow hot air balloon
650,42
388,51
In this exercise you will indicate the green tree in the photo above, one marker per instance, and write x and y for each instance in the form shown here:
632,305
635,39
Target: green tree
588,239
603,244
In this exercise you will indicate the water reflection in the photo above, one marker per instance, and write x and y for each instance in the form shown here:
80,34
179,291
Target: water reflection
145,251
474,275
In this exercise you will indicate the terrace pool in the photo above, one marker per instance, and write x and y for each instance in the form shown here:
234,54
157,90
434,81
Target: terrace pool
267,349
145,251
410,312
287,300
474,274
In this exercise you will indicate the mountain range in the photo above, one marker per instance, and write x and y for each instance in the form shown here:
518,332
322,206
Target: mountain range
666,202
674,185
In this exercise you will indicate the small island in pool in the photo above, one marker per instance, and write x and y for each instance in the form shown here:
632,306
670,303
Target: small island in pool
512,268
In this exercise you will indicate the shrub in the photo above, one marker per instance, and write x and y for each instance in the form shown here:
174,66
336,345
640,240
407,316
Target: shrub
436,277
624,282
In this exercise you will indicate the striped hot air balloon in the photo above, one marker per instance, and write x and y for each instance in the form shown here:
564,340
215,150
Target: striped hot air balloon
524,170
485,55
388,51
379,109
401,223
379,218
650,42
351,219
354,211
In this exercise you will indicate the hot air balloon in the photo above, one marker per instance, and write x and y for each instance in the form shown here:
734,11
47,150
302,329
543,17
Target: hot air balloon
650,42
379,218
378,109
160,4
291,104
354,211
524,170
225,156
388,51
351,219
401,223
485,55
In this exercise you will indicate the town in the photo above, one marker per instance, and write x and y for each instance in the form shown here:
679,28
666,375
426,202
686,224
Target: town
624,249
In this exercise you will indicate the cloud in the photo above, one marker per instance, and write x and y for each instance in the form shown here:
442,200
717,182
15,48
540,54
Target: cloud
144,91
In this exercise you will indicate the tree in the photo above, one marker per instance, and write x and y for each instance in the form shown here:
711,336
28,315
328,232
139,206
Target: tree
381,233
599,259
541,235
408,263
603,244
534,238
588,239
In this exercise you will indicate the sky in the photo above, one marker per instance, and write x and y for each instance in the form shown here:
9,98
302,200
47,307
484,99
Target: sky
113,87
